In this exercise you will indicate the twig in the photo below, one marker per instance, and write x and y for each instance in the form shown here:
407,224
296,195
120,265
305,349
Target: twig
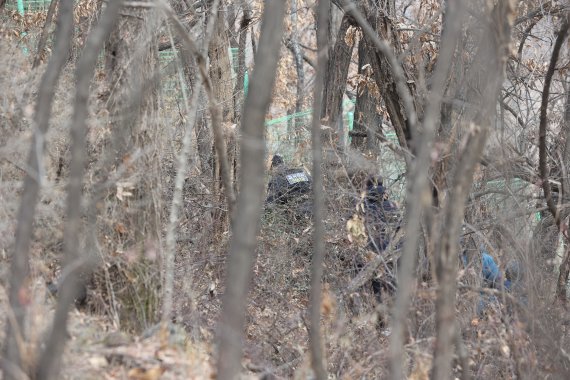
191,111
20,267
50,360
315,338
382,46
542,165
291,46
43,37
242,251
219,141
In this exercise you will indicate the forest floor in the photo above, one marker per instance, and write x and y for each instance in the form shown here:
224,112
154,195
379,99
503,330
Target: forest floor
96,350
276,344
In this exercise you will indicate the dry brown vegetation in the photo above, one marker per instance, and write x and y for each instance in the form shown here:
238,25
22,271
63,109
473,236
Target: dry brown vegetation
464,166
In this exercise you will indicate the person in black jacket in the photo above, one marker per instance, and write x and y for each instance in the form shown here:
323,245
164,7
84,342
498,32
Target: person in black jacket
382,219
286,183
289,186
381,215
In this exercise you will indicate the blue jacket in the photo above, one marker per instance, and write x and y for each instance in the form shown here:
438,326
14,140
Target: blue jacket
490,271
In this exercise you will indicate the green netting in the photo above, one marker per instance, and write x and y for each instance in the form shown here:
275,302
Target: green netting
234,52
29,5
280,129
171,86
293,144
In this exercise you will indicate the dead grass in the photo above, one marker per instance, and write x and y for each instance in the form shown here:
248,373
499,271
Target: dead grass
124,294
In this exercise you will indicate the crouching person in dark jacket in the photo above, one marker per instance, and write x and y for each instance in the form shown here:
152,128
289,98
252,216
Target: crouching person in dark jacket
382,221
381,214
290,187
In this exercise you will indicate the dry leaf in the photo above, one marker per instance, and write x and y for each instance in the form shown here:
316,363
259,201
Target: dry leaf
142,374
356,230
120,229
97,362
124,190
328,303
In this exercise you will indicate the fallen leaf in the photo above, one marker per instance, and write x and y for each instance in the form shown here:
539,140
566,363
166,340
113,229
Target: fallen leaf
142,374
356,230
97,362
120,229
124,190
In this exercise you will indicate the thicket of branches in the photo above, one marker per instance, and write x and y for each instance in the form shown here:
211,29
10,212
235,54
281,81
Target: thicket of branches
135,144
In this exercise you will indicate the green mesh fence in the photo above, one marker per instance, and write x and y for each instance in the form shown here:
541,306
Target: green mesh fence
171,86
285,134
293,144
29,5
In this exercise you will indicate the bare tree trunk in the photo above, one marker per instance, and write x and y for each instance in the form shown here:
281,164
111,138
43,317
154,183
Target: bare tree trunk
390,76
131,53
50,360
231,21
242,43
486,76
44,36
204,145
315,338
222,94
447,252
336,76
297,56
543,167
365,120
242,245
14,345
220,67
565,132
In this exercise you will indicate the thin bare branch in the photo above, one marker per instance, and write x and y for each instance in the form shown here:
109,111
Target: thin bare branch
50,360
542,165
242,245
20,267
44,36
200,56
418,190
315,338
182,163
289,44
396,67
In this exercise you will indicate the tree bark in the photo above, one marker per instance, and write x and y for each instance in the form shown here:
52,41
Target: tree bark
131,54
242,245
222,91
220,68
44,36
392,81
336,76
543,167
298,58
315,338
19,278
242,44
486,77
75,262
365,116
